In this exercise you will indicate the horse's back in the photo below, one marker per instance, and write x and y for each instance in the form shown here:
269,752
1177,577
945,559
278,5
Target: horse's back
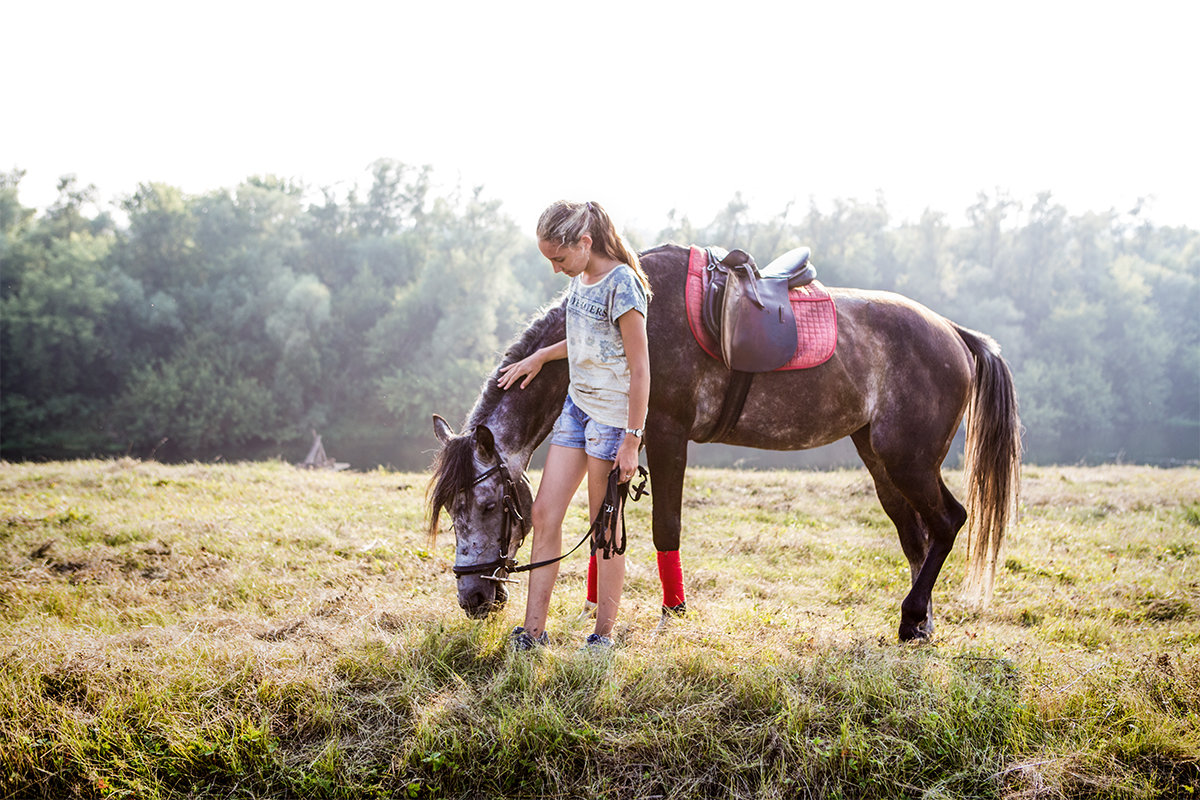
909,362
895,362
896,332
897,365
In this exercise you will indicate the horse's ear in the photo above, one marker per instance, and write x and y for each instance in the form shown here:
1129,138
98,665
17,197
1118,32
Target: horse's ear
442,430
485,443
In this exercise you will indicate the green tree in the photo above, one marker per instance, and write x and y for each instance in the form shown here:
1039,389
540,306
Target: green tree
442,334
202,400
57,294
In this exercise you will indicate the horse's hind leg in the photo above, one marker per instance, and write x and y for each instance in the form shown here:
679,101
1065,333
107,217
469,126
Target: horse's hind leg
944,517
914,536
928,520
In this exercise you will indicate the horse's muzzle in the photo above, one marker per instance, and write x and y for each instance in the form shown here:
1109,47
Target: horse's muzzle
482,598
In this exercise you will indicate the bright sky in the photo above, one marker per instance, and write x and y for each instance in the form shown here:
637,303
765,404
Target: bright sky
645,106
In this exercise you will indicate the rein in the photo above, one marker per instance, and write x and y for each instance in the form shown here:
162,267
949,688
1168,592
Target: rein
604,527
505,565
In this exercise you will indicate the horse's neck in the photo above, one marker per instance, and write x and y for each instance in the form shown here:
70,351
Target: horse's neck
524,418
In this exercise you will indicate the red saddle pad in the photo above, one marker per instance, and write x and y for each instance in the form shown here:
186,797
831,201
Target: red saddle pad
816,317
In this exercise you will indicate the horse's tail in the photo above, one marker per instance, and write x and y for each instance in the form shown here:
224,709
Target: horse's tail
992,463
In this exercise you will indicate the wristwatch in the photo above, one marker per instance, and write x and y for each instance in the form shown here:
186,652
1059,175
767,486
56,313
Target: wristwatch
638,432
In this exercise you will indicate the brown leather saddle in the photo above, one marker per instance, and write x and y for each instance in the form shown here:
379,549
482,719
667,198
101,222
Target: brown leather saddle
748,310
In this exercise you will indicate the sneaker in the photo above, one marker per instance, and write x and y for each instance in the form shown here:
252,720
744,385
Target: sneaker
522,640
595,640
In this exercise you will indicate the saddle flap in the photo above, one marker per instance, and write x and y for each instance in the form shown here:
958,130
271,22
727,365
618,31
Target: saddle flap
812,307
757,323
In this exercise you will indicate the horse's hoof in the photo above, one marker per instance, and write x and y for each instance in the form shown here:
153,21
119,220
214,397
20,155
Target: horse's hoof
915,633
587,612
669,613
675,611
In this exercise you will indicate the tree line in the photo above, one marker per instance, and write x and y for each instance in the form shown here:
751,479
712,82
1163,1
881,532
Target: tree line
232,324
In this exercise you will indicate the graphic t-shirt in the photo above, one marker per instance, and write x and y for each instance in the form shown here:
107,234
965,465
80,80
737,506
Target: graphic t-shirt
595,351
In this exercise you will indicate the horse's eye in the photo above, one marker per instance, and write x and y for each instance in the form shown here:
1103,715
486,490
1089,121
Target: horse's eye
489,508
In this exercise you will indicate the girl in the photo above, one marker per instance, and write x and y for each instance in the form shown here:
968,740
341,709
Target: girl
601,423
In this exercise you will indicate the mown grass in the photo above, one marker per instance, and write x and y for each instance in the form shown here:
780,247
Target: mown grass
254,630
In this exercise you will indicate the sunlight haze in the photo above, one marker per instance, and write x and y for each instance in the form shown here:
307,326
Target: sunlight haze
646,107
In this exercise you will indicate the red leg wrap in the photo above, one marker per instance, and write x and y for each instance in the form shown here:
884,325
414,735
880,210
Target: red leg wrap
670,574
591,583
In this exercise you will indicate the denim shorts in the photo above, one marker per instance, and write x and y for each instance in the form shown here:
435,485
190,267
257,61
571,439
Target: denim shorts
576,429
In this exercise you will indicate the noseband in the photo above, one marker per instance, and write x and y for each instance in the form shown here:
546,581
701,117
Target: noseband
505,565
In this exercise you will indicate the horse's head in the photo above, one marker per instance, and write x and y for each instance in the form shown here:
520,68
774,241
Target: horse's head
489,502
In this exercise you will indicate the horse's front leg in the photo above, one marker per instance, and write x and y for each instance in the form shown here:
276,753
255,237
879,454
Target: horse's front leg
666,456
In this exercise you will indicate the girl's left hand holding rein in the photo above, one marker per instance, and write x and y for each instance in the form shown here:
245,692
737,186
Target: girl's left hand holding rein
627,457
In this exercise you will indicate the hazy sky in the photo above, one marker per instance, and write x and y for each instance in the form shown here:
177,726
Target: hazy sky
645,106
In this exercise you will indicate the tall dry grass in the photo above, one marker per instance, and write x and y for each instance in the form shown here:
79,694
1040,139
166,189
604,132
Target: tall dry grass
254,630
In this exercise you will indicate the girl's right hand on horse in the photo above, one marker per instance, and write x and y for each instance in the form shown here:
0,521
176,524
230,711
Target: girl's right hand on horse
528,367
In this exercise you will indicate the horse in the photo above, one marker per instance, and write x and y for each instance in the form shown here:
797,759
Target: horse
899,383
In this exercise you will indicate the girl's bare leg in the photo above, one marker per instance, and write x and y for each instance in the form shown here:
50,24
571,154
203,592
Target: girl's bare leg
610,572
565,468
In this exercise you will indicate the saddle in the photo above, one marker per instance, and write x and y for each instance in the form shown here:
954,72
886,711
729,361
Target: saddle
749,311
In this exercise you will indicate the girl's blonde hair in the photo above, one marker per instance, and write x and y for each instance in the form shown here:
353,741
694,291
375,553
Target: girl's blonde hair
565,223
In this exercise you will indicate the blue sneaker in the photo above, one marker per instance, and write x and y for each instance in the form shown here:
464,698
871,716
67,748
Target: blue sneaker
596,641
522,640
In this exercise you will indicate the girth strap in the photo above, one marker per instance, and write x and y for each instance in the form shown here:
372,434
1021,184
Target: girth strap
731,406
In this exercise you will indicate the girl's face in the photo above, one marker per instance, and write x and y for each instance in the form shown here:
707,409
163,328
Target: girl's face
572,259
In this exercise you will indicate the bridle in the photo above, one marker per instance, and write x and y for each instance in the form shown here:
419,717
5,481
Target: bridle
504,565
510,515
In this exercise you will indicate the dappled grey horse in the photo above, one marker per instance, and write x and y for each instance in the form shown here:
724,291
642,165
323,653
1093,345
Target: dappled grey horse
898,384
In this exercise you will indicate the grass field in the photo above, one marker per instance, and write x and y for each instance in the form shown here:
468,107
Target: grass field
205,631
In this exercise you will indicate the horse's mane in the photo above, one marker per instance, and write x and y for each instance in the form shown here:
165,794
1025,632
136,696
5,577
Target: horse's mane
453,471
454,467
660,248
524,345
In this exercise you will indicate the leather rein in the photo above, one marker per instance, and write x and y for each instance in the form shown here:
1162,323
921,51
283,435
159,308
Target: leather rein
505,565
